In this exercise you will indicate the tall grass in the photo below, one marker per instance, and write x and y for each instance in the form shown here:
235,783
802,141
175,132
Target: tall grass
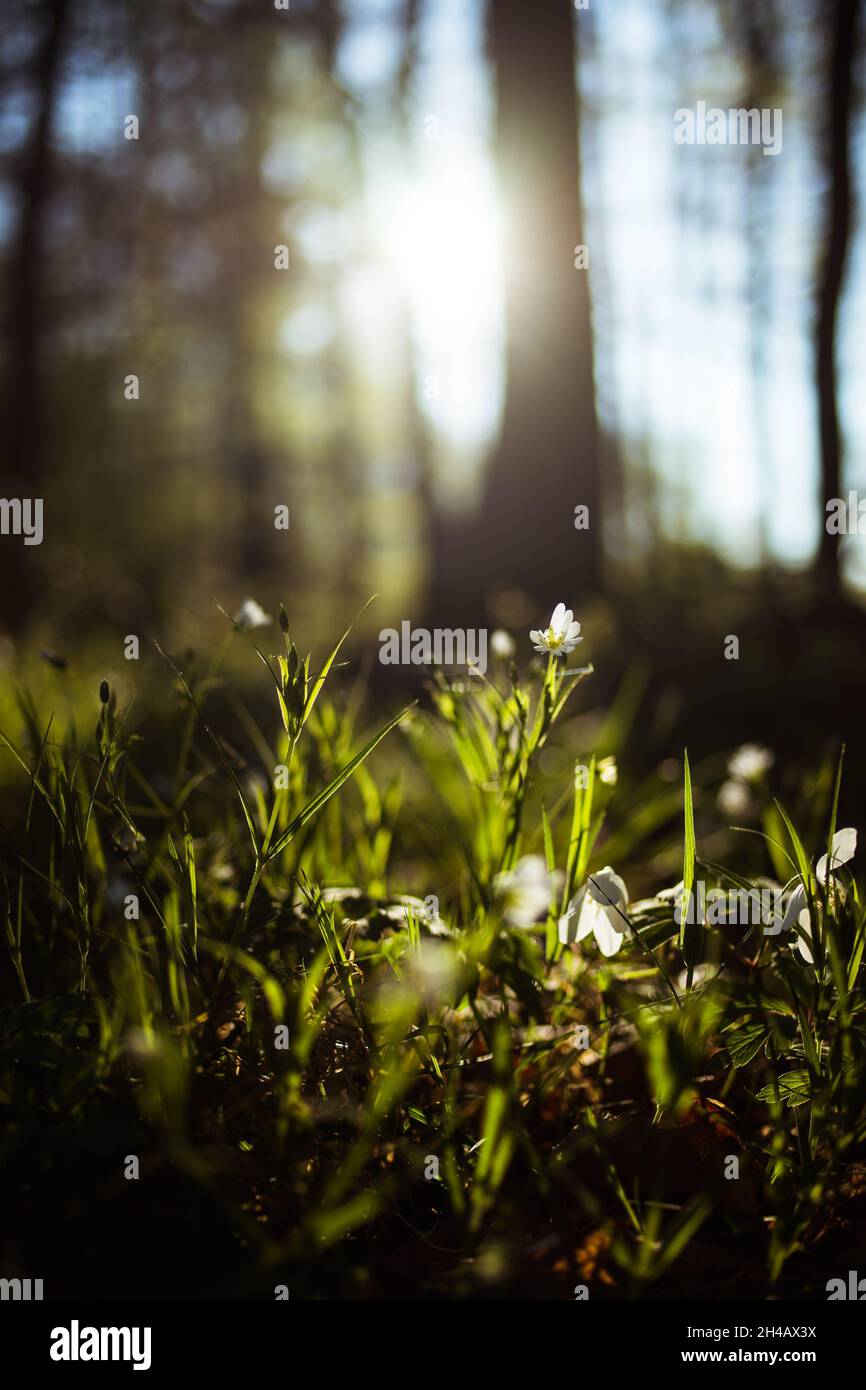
313,976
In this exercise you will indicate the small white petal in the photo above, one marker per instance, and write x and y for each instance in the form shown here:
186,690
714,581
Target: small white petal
734,798
568,927
526,890
750,761
608,938
607,888
502,644
794,906
843,849
589,914
804,946
251,615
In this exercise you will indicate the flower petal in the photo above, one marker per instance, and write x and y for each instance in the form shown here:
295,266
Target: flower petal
568,925
843,848
608,938
586,919
607,888
568,928
795,905
804,947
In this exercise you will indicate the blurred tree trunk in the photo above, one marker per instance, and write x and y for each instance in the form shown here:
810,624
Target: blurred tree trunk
757,33
838,164
24,434
547,459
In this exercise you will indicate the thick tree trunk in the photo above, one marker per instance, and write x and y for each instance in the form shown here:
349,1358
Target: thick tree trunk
22,470
838,162
547,459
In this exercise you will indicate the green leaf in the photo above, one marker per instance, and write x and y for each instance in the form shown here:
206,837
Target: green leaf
681,1230
654,929
745,1042
284,713
794,1089
688,846
549,854
799,851
335,784
229,953
323,674
834,810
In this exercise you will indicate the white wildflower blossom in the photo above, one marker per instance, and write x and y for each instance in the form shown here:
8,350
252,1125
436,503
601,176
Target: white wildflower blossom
797,916
750,762
600,908
842,849
735,798
502,644
251,615
525,892
561,636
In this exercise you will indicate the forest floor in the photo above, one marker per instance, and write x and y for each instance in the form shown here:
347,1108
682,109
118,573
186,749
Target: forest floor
420,1012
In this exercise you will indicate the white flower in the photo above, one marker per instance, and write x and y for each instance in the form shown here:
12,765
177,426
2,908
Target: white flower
599,908
422,911
337,895
608,771
842,849
797,915
433,972
525,891
750,762
561,637
250,615
735,799
502,644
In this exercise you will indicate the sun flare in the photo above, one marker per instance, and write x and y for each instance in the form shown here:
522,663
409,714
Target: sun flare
442,235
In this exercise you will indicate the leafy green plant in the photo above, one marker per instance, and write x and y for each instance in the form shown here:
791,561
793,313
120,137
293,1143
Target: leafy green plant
378,993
